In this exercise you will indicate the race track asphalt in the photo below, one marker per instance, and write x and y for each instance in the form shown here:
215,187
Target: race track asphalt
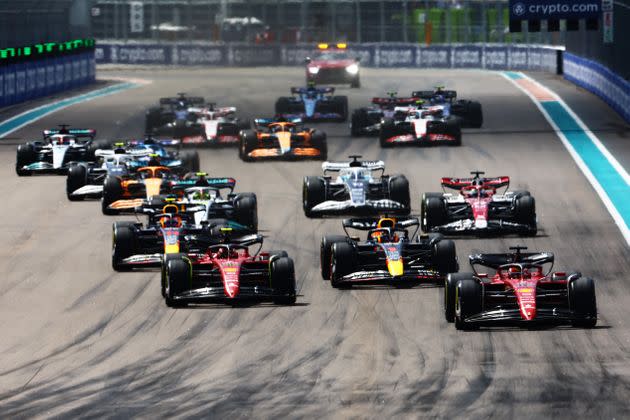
79,340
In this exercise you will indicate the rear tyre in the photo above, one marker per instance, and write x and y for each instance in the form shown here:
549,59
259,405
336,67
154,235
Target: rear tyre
583,302
248,142
388,130
153,120
433,211
190,160
318,140
313,193
358,122
399,192
283,106
445,256
178,280
340,104
77,178
325,253
112,191
123,244
450,285
90,155
468,302
525,213
282,273
246,210
344,261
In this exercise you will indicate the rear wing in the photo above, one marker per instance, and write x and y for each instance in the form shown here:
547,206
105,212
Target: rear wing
131,153
429,94
324,90
495,261
373,165
265,122
372,223
216,183
191,100
168,142
394,101
459,183
77,132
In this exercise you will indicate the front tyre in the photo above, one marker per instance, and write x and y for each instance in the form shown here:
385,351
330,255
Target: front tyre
282,278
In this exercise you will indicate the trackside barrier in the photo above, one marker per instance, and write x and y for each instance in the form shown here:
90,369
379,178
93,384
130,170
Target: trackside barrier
600,80
36,78
479,56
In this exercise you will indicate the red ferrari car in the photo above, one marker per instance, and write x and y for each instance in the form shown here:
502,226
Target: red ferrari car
523,291
229,272
333,64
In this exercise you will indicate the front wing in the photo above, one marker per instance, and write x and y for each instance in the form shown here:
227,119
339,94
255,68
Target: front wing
492,227
513,316
295,153
383,277
332,207
425,140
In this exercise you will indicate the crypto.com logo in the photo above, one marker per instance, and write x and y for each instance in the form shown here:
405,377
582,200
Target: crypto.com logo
519,9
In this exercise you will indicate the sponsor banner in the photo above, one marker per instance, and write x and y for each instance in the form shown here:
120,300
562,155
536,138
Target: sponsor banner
434,57
20,82
198,55
517,58
468,57
141,54
9,84
386,56
31,80
554,9
296,55
2,96
495,58
600,80
254,56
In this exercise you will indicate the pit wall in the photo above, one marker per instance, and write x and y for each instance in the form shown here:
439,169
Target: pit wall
473,56
33,79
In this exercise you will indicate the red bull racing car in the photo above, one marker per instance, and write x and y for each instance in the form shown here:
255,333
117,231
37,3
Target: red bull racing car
389,255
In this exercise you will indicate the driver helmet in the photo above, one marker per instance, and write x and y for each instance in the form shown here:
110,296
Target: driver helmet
514,272
154,160
200,195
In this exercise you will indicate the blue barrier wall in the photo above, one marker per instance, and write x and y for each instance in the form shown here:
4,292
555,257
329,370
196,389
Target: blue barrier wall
480,56
33,79
600,80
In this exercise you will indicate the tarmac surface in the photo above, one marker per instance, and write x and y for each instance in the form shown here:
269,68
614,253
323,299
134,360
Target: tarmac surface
79,340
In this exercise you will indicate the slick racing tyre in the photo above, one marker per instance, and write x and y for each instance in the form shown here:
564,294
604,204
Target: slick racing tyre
388,130
112,191
123,244
282,273
77,178
25,156
450,285
190,160
283,105
153,119
340,104
246,210
470,112
248,141
582,302
399,192
325,253
468,301
344,261
525,213
167,258
318,141
432,211
356,83
313,193
178,279
358,122
90,154
445,256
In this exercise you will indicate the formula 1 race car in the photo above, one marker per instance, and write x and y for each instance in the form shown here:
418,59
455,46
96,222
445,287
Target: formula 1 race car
389,255
60,149
414,125
229,272
172,118
170,228
86,179
278,139
355,191
478,209
469,112
313,104
217,126
523,291
366,121
333,64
